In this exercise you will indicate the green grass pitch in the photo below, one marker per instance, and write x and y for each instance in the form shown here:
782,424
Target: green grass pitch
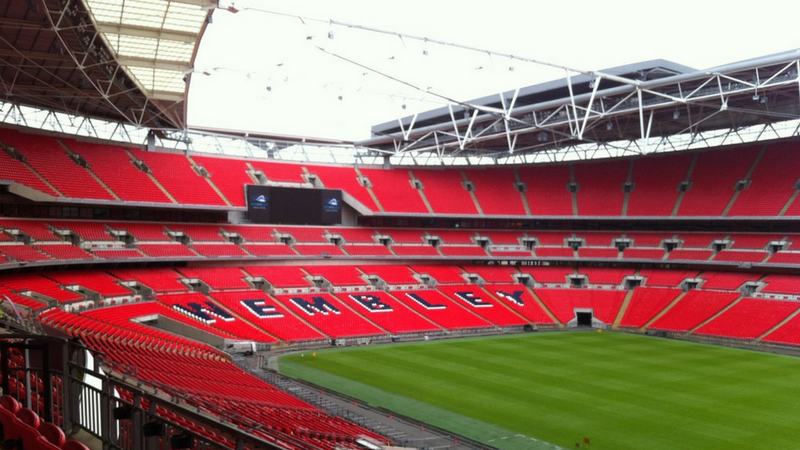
619,390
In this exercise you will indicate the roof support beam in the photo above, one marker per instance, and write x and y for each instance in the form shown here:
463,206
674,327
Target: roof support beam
146,32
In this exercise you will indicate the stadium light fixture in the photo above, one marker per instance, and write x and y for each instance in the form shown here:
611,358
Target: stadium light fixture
676,114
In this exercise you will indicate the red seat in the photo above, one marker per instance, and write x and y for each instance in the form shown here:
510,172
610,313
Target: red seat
27,425
8,416
53,433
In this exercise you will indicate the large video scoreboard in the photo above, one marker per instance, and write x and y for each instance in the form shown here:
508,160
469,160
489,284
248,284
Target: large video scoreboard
293,206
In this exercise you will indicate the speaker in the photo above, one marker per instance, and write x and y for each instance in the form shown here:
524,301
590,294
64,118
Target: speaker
180,441
153,429
122,412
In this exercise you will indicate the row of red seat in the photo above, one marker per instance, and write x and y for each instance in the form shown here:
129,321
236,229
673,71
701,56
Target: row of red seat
255,315
637,187
208,241
24,428
30,289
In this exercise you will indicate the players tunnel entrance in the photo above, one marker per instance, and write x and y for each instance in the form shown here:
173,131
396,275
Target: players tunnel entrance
584,317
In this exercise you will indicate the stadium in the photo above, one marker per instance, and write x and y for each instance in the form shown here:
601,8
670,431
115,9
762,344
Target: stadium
608,259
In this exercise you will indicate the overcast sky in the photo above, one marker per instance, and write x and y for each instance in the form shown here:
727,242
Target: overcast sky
271,72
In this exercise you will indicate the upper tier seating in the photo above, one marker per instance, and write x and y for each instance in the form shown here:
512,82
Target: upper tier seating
496,191
17,171
176,175
445,192
547,189
115,168
394,191
229,175
771,183
713,180
600,191
655,184
50,160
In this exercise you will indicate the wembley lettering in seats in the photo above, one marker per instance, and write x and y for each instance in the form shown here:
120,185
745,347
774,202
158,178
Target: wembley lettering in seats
206,313
261,309
372,303
425,304
514,297
316,305
473,299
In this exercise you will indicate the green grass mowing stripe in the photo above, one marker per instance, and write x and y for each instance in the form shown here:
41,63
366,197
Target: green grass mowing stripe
476,429
623,391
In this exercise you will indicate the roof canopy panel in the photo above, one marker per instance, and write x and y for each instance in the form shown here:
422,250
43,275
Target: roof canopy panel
118,60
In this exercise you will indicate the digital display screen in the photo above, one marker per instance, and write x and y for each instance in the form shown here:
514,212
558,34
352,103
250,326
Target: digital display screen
293,206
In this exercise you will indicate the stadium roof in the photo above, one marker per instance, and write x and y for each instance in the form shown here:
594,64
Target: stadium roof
648,101
111,59
131,62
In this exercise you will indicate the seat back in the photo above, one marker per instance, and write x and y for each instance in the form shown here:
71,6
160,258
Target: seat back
53,433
